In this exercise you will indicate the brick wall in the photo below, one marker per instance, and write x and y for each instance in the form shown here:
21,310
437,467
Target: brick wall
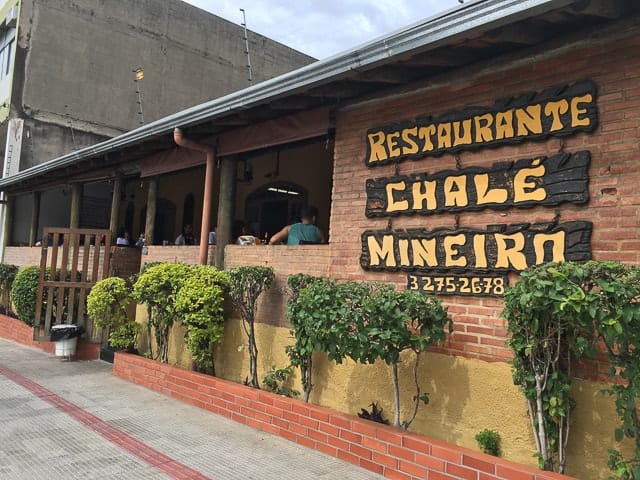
614,173
177,253
385,450
19,332
22,256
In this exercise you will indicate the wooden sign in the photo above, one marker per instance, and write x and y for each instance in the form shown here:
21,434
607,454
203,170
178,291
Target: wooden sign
525,183
556,111
499,248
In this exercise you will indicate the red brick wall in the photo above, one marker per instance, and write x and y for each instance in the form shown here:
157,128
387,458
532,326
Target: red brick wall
385,450
177,253
614,174
19,332
22,256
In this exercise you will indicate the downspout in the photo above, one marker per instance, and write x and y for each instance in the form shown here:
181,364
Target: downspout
208,187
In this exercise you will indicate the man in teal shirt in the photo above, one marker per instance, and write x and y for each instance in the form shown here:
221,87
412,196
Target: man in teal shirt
303,232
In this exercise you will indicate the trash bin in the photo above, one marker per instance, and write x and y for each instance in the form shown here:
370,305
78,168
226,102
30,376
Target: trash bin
66,339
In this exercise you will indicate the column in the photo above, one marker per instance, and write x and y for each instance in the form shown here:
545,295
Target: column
35,216
152,195
226,207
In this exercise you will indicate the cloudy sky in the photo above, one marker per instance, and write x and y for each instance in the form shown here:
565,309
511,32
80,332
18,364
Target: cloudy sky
322,28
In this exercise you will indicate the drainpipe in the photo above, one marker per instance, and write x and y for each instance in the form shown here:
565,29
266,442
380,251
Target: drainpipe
208,188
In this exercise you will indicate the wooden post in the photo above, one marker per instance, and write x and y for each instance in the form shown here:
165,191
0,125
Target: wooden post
115,206
35,216
150,222
226,208
76,202
8,220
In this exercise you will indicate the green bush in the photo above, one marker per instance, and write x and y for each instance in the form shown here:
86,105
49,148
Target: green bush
304,327
200,303
24,292
366,322
107,305
276,380
7,276
489,441
157,287
124,336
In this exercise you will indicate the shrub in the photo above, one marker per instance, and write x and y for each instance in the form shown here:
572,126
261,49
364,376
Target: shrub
124,336
276,381
157,287
489,441
200,303
24,292
107,305
301,311
364,321
7,276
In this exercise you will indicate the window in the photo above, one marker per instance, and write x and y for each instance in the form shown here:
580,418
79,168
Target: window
7,39
271,207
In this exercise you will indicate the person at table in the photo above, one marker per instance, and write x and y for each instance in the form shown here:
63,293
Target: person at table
122,240
186,237
302,232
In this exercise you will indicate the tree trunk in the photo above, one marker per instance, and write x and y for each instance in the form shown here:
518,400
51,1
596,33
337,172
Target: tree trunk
396,395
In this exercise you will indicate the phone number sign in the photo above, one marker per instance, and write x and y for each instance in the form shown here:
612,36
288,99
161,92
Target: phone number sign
486,285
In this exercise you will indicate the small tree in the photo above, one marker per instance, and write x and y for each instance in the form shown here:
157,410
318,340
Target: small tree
394,322
7,276
157,287
310,299
107,304
548,318
614,305
245,287
200,302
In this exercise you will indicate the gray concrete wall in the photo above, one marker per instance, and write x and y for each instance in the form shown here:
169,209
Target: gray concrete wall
75,59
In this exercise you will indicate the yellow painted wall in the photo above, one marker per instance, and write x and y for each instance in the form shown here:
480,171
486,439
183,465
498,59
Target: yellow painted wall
466,396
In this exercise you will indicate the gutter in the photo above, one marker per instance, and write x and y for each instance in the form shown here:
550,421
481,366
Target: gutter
447,27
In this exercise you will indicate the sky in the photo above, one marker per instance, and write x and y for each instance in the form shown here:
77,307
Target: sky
322,28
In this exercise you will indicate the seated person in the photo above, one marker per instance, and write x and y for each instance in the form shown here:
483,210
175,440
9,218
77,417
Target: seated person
186,237
123,238
303,232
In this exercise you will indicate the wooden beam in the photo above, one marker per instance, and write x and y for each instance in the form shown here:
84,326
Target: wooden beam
393,75
610,9
518,34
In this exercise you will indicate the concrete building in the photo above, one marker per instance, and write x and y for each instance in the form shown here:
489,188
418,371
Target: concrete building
68,76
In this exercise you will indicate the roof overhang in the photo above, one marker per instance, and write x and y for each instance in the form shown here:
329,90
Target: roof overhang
472,32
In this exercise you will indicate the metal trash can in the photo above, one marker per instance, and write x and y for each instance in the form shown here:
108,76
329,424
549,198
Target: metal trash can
66,339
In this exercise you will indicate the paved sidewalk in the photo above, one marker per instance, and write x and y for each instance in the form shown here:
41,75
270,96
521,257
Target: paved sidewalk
75,420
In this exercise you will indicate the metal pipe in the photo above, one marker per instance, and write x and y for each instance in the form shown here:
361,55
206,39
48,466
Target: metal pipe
178,137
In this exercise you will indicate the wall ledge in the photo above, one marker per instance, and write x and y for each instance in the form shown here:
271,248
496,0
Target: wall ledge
379,448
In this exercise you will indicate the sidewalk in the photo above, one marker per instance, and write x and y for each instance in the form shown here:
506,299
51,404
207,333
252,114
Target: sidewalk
75,420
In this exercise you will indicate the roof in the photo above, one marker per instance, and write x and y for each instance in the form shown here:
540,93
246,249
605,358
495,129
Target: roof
472,32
